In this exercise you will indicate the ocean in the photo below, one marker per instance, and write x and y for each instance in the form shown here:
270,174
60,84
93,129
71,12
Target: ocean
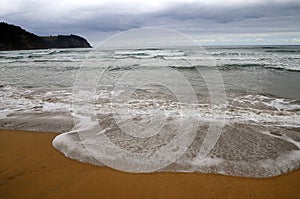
140,99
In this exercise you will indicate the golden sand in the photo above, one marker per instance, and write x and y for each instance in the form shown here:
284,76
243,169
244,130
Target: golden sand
31,168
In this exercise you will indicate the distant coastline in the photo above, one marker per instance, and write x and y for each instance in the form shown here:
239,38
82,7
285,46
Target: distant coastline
15,38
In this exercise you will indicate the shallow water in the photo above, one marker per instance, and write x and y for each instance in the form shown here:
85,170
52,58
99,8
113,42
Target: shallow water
260,136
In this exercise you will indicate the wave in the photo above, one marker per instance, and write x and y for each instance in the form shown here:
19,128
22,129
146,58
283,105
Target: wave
43,52
225,54
283,51
254,65
14,57
146,53
119,68
55,60
254,122
284,68
61,51
34,56
239,65
132,53
153,49
30,99
269,47
184,67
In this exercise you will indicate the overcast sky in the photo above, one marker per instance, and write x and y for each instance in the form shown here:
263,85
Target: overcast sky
208,22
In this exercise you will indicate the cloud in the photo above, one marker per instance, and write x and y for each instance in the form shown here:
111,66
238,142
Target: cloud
296,40
190,16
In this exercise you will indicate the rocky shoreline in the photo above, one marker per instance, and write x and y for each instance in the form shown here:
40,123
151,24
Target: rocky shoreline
15,38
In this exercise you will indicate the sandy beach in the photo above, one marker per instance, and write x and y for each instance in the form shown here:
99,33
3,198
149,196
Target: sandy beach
31,168
150,99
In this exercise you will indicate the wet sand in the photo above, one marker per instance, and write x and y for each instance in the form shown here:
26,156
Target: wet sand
31,168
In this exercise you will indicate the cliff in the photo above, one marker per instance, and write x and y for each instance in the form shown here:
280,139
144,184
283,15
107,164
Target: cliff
15,38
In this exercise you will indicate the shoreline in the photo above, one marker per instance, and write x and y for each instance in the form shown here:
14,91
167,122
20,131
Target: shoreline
31,168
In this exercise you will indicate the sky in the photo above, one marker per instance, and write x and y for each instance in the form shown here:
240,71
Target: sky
209,22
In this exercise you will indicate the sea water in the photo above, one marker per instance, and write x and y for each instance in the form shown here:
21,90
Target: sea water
260,135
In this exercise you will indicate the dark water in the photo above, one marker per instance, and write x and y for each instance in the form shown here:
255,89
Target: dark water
29,77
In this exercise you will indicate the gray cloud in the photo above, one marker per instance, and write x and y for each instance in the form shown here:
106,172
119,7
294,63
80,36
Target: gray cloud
59,17
261,17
